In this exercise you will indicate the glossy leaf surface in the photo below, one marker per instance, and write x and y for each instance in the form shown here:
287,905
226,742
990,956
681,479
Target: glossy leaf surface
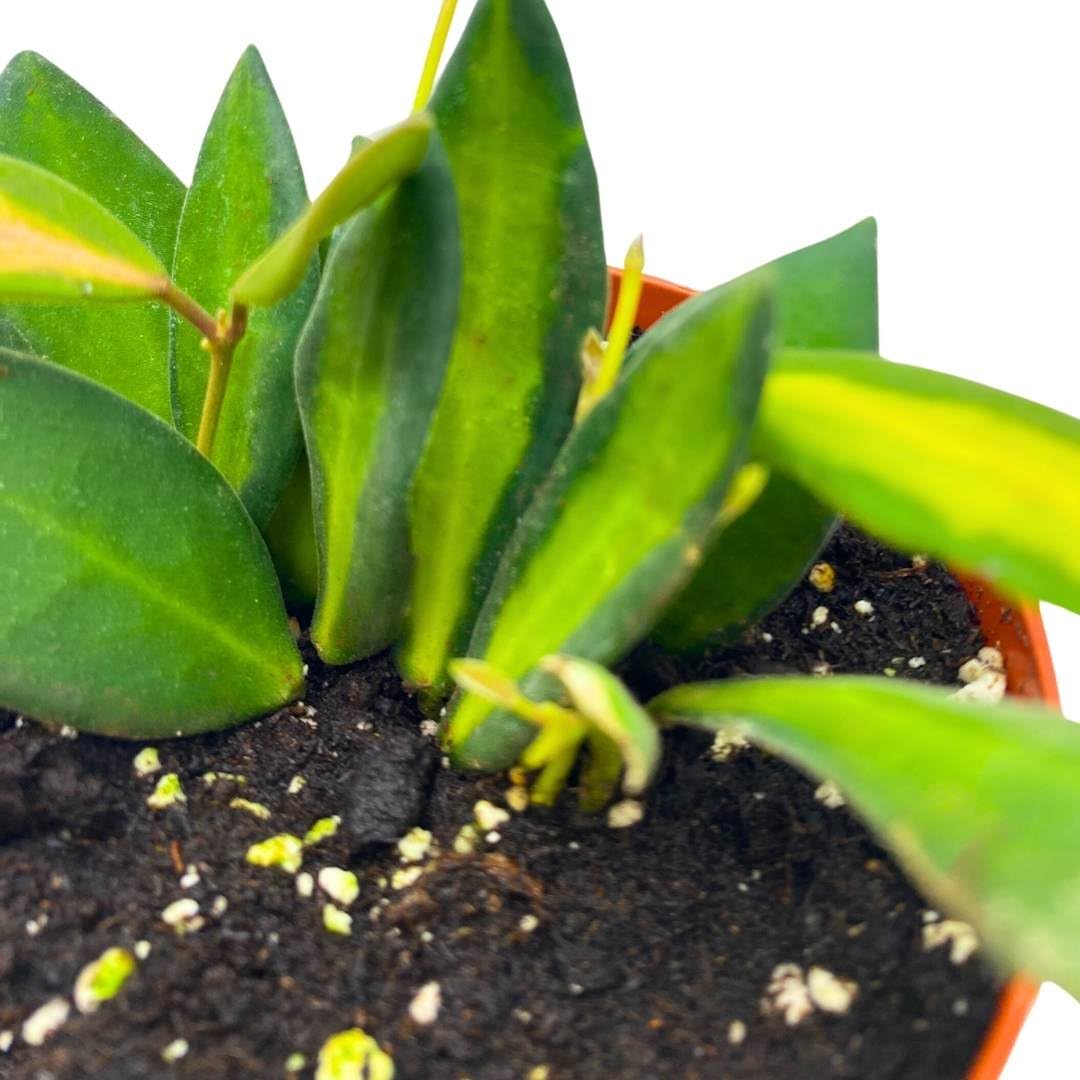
533,282
138,597
826,297
248,187
979,803
618,525
933,463
49,120
376,167
369,370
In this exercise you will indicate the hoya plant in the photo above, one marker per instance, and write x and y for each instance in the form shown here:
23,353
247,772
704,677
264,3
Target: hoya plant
402,407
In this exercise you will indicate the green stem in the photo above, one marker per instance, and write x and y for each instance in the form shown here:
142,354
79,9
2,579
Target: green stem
619,334
221,345
189,309
434,54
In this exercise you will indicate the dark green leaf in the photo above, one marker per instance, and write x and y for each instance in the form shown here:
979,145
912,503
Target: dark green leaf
51,121
369,370
979,803
248,188
618,525
826,297
933,463
533,282
138,597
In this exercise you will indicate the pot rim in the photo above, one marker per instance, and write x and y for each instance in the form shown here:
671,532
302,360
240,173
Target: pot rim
1015,629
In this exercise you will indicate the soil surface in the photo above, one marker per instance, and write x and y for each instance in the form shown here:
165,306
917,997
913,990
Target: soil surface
560,944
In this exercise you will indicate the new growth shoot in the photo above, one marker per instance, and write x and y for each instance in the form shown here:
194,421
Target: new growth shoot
601,363
619,737
434,55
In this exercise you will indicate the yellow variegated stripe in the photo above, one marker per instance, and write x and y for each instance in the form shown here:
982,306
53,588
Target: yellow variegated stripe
603,700
934,463
533,281
57,243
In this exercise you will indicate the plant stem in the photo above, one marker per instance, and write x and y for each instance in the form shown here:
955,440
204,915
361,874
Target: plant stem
191,310
434,54
221,346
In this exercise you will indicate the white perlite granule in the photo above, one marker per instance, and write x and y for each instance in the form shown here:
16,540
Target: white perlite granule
829,794
787,994
425,1005
828,992
959,936
726,745
45,1021
624,814
984,678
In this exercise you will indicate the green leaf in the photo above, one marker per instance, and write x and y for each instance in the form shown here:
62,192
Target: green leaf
290,537
248,187
826,297
138,596
533,282
368,373
618,525
49,120
979,803
933,463
58,244
608,706
376,167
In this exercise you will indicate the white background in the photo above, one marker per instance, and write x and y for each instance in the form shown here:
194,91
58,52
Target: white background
728,133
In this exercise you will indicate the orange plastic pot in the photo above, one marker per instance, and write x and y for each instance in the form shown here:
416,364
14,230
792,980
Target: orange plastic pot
1017,631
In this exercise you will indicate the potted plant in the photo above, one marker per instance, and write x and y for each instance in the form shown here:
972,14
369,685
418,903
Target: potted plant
393,405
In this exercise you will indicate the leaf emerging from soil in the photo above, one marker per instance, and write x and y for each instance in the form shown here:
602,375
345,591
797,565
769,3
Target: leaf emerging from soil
619,523
139,599
533,283
248,188
979,803
48,119
933,463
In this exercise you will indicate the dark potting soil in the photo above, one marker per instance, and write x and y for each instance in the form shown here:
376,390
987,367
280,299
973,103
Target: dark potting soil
644,951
